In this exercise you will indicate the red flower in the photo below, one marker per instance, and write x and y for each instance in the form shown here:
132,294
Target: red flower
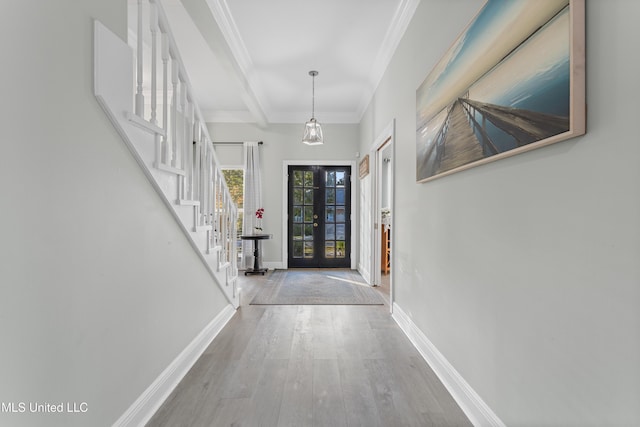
259,213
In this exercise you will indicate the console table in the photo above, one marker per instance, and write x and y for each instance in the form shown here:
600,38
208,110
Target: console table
256,252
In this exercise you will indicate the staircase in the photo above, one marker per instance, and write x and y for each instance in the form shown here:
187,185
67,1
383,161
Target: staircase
154,111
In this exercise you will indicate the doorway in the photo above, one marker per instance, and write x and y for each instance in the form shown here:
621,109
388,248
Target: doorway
319,216
377,205
384,204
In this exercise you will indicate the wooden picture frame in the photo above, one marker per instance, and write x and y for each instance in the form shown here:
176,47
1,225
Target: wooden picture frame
363,167
513,81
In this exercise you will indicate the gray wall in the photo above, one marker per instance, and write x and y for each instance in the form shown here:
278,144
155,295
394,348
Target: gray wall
524,272
100,288
283,142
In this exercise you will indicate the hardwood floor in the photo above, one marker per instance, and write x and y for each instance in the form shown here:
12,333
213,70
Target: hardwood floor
309,366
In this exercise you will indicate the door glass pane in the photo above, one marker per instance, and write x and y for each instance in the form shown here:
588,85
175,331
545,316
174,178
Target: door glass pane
340,196
308,196
308,214
298,179
297,214
329,249
340,249
330,232
330,196
297,249
308,249
331,214
297,196
340,232
308,232
308,179
340,176
340,216
331,179
297,231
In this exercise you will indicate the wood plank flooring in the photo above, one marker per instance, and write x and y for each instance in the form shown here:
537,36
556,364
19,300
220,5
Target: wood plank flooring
316,365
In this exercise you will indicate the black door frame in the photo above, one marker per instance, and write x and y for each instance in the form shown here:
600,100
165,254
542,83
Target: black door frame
285,202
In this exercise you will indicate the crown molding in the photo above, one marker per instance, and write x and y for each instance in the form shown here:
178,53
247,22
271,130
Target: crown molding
222,14
395,32
258,105
229,29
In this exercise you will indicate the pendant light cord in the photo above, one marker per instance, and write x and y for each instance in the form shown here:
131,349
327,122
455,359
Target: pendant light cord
313,75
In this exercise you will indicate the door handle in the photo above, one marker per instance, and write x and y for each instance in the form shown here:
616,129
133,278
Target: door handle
315,224
315,217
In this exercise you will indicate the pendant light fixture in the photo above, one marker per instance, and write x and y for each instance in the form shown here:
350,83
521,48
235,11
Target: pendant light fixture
312,130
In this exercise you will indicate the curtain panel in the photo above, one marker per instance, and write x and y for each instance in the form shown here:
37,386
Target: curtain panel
252,198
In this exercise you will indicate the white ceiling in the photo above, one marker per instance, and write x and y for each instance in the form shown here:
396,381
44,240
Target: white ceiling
248,60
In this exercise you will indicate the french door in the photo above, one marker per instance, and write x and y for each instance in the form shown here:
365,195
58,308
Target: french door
319,211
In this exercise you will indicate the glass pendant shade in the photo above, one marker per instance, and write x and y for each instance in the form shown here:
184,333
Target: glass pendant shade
312,130
312,133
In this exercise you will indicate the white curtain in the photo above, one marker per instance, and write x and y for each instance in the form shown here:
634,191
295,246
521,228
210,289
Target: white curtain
252,197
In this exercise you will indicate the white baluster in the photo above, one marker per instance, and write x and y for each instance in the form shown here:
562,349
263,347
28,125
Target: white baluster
174,112
139,95
216,195
182,179
154,61
165,98
192,166
188,147
196,172
181,140
203,180
219,205
211,188
210,174
203,186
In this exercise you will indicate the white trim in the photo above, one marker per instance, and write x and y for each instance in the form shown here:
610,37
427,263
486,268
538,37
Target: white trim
271,265
261,109
239,58
141,411
169,169
399,24
469,401
285,190
388,135
144,125
364,273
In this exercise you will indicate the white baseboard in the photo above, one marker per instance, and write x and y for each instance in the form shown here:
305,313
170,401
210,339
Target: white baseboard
364,273
141,411
273,265
469,401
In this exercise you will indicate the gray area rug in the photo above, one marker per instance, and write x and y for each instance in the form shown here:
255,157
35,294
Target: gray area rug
316,287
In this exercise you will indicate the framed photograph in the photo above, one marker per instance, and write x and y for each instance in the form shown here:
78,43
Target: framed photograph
513,81
363,167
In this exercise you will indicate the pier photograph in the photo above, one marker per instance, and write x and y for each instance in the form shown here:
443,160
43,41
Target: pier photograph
504,87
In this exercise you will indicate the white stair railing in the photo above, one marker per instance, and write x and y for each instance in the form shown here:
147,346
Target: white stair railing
177,151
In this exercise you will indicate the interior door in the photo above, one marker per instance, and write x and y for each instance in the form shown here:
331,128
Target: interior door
319,211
